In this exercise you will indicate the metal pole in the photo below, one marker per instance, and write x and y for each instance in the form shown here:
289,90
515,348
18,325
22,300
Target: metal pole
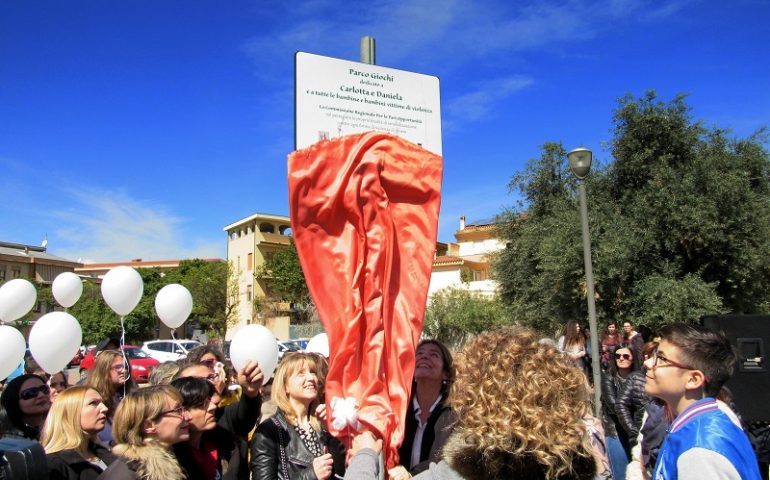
368,56
368,50
595,365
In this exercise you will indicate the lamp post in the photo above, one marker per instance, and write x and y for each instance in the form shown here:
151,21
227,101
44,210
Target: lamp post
580,164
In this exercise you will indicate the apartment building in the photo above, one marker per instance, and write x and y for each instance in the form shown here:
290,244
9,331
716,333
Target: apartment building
250,241
467,263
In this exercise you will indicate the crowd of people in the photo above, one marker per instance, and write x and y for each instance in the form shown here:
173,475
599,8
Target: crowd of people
509,405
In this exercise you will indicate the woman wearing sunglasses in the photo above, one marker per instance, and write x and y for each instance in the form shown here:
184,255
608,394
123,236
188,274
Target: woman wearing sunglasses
212,451
148,422
111,377
613,382
69,435
26,403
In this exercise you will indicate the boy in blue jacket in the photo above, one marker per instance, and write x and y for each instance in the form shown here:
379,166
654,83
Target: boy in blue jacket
687,371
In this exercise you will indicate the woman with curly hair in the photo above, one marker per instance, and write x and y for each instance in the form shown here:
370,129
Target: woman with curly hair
69,435
148,422
111,377
520,407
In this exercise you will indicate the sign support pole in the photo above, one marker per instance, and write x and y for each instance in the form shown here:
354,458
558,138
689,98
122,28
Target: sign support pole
368,50
368,56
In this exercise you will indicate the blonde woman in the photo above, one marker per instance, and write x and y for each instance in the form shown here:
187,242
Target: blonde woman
111,377
291,444
69,435
520,407
147,423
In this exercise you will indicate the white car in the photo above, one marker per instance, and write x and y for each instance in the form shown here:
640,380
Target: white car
168,350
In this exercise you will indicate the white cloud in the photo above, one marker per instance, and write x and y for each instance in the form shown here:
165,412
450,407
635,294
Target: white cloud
477,104
105,226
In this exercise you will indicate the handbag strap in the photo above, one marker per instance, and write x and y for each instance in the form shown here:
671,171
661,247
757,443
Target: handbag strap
282,450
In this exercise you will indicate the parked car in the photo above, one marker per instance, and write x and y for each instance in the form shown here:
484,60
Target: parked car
76,359
287,346
168,350
141,364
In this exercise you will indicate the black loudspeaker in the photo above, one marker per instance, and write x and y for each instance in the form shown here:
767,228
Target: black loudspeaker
750,383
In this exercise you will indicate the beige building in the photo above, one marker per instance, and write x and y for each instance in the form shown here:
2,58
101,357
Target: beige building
250,241
32,263
467,263
99,270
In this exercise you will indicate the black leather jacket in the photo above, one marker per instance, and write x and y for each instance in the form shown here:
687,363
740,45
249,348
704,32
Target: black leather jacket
630,404
266,452
612,385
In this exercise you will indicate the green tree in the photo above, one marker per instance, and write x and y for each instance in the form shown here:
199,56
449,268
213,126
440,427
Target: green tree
454,315
211,284
284,280
680,224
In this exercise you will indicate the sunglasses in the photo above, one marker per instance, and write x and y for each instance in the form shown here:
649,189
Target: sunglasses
33,392
623,356
210,363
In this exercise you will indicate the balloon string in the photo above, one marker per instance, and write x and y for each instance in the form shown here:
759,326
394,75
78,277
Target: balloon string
123,352
172,334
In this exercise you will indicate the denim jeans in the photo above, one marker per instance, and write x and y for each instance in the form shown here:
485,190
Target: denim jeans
618,458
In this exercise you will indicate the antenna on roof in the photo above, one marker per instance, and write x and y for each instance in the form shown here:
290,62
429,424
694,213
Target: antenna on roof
45,241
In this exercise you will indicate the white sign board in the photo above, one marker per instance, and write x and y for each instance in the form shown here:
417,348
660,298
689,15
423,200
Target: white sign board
337,97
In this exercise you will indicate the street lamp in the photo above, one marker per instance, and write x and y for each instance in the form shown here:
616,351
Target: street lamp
580,164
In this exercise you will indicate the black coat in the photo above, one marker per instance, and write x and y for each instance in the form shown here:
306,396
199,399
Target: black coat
437,431
240,417
232,452
70,465
266,452
630,404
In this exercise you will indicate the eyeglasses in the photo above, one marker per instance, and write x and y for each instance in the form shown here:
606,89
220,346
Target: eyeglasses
119,368
660,361
623,356
174,412
33,392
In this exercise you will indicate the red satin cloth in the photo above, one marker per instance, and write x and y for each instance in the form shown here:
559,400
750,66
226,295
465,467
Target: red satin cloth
364,215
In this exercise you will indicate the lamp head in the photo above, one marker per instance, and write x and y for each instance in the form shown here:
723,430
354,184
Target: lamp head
580,162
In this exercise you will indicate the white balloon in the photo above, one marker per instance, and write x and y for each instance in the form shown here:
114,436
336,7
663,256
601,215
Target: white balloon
319,344
54,339
122,289
255,342
173,304
67,289
17,297
12,352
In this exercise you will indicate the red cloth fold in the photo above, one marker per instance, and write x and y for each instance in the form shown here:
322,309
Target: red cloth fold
364,216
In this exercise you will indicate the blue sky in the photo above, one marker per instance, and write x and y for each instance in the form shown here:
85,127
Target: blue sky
138,129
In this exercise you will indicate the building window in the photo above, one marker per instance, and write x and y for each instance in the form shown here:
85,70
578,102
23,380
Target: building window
248,293
250,262
266,227
2,275
15,272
